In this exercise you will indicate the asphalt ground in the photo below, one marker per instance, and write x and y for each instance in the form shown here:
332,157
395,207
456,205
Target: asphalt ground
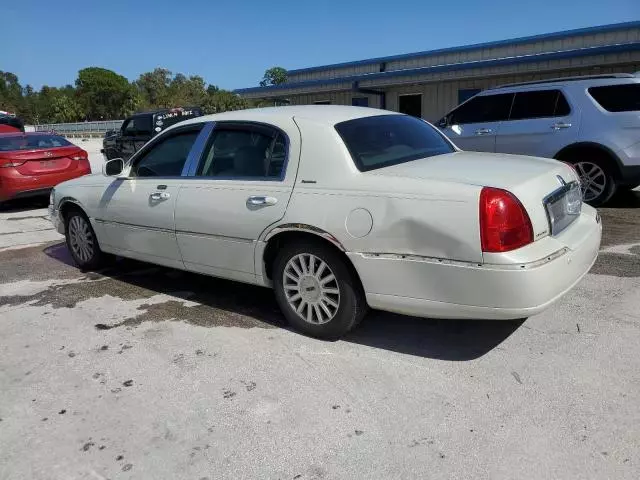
139,371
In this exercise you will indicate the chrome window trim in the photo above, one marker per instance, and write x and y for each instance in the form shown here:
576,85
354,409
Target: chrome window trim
221,124
197,149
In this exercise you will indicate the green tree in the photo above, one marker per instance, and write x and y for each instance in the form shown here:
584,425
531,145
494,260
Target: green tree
10,92
103,94
154,88
274,76
64,108
185,91
222,100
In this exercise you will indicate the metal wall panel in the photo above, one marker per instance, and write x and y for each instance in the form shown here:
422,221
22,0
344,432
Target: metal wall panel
502,51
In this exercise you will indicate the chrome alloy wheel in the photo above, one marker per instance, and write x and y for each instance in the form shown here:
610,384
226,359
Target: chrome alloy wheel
81,238
311,288
593,180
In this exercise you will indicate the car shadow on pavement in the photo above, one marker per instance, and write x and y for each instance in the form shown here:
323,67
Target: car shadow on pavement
624,199
454,340
227,303
24,204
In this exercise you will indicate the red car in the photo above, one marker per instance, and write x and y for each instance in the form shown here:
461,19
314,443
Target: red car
31,164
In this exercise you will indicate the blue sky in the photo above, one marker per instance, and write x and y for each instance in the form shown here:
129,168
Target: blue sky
231,43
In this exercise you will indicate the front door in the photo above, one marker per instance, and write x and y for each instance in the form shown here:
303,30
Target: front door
541,124
473,125
136,214
241,186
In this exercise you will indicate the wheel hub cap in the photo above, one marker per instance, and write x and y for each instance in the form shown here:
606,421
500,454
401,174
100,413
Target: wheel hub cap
81,238
311,288
592,180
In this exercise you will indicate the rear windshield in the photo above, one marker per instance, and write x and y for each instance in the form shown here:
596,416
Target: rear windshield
31,142
385,140
618,98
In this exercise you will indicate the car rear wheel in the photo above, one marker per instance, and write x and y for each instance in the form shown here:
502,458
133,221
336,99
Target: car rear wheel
81,240
316,291
597,181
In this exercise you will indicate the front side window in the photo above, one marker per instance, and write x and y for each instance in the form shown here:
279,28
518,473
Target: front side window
539,104
617,98
129,127
244,151
167,157
482,109
385,140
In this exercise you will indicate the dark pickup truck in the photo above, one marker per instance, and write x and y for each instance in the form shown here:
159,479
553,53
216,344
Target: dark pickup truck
139,128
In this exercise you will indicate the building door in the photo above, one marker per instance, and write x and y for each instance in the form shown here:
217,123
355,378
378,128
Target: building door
410,104
360,101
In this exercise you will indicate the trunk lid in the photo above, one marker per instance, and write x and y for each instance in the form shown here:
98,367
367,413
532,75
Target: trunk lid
531,179
44,161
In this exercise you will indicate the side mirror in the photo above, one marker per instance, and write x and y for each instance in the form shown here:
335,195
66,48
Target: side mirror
113,167
443,122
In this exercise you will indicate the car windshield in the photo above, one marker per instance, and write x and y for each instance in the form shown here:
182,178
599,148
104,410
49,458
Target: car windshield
31,142
385,140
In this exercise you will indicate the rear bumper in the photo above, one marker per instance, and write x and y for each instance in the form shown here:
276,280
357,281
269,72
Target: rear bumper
440,289
13,185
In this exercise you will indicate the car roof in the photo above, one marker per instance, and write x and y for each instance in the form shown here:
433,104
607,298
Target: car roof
161,110
593,81
328,114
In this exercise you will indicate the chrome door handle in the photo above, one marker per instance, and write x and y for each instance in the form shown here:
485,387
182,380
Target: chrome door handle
483,131
559,125
160,196
260,200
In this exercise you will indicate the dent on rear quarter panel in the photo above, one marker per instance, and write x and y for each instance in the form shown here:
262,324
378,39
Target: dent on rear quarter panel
410,216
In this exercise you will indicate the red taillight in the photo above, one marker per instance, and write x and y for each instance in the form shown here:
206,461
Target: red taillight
80,156
504,223
6,163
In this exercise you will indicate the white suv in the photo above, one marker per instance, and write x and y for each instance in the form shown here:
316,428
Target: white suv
590,122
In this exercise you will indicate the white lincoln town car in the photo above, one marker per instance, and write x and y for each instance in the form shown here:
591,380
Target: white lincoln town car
339,209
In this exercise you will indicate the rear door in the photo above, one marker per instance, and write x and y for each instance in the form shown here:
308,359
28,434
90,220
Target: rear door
241,186
541,123
474,124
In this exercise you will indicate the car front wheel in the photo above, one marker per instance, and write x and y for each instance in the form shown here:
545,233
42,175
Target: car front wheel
316,291
81,240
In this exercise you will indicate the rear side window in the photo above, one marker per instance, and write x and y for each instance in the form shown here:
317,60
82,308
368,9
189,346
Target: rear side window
32,142
539,104
617,98
485,108
243,151
385,140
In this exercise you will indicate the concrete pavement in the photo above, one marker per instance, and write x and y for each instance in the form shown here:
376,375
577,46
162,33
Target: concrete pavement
145,372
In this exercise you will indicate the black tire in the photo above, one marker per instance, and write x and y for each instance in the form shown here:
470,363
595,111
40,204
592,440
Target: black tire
352,305
605,166
96,257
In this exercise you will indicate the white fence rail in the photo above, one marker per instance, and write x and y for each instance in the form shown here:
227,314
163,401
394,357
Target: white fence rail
80,129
